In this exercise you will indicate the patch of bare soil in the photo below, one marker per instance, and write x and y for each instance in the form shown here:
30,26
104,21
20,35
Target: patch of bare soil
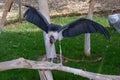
64,7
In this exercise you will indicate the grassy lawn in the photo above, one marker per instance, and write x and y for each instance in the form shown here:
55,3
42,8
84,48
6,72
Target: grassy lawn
26,40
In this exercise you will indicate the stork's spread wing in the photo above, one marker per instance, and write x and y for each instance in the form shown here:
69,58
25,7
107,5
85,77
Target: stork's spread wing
83,26
35,17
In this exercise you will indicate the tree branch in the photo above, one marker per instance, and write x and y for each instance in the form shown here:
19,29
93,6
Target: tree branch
43,65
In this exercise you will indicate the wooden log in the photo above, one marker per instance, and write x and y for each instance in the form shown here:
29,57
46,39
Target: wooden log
44,65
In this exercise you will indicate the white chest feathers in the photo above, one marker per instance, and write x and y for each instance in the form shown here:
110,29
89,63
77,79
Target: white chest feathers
55,34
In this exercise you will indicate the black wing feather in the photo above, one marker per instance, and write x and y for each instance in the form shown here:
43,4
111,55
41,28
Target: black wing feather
83,25
35,17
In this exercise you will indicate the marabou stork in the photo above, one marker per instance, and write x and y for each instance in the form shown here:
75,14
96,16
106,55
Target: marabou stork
58,32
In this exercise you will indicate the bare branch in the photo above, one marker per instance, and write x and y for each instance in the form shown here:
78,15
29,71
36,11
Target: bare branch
41,65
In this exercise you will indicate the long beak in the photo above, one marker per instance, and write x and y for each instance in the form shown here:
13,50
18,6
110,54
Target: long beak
52,39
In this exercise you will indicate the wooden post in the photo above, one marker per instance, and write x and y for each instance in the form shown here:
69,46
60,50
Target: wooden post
43,7
7,8
87,36
20,5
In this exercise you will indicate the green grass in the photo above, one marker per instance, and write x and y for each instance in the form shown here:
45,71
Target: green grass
26,40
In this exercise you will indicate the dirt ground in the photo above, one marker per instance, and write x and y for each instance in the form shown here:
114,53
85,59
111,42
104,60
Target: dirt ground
63,7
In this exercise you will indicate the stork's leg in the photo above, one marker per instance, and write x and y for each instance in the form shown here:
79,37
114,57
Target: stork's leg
60,53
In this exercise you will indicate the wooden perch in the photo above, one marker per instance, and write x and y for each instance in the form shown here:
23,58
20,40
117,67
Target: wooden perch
44,65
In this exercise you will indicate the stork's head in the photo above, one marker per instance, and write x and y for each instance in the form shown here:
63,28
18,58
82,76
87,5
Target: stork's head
53,32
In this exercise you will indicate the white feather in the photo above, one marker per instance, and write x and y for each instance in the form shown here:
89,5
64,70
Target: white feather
55,34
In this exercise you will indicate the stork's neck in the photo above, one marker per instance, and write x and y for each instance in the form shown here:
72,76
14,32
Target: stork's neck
52,39
54,34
